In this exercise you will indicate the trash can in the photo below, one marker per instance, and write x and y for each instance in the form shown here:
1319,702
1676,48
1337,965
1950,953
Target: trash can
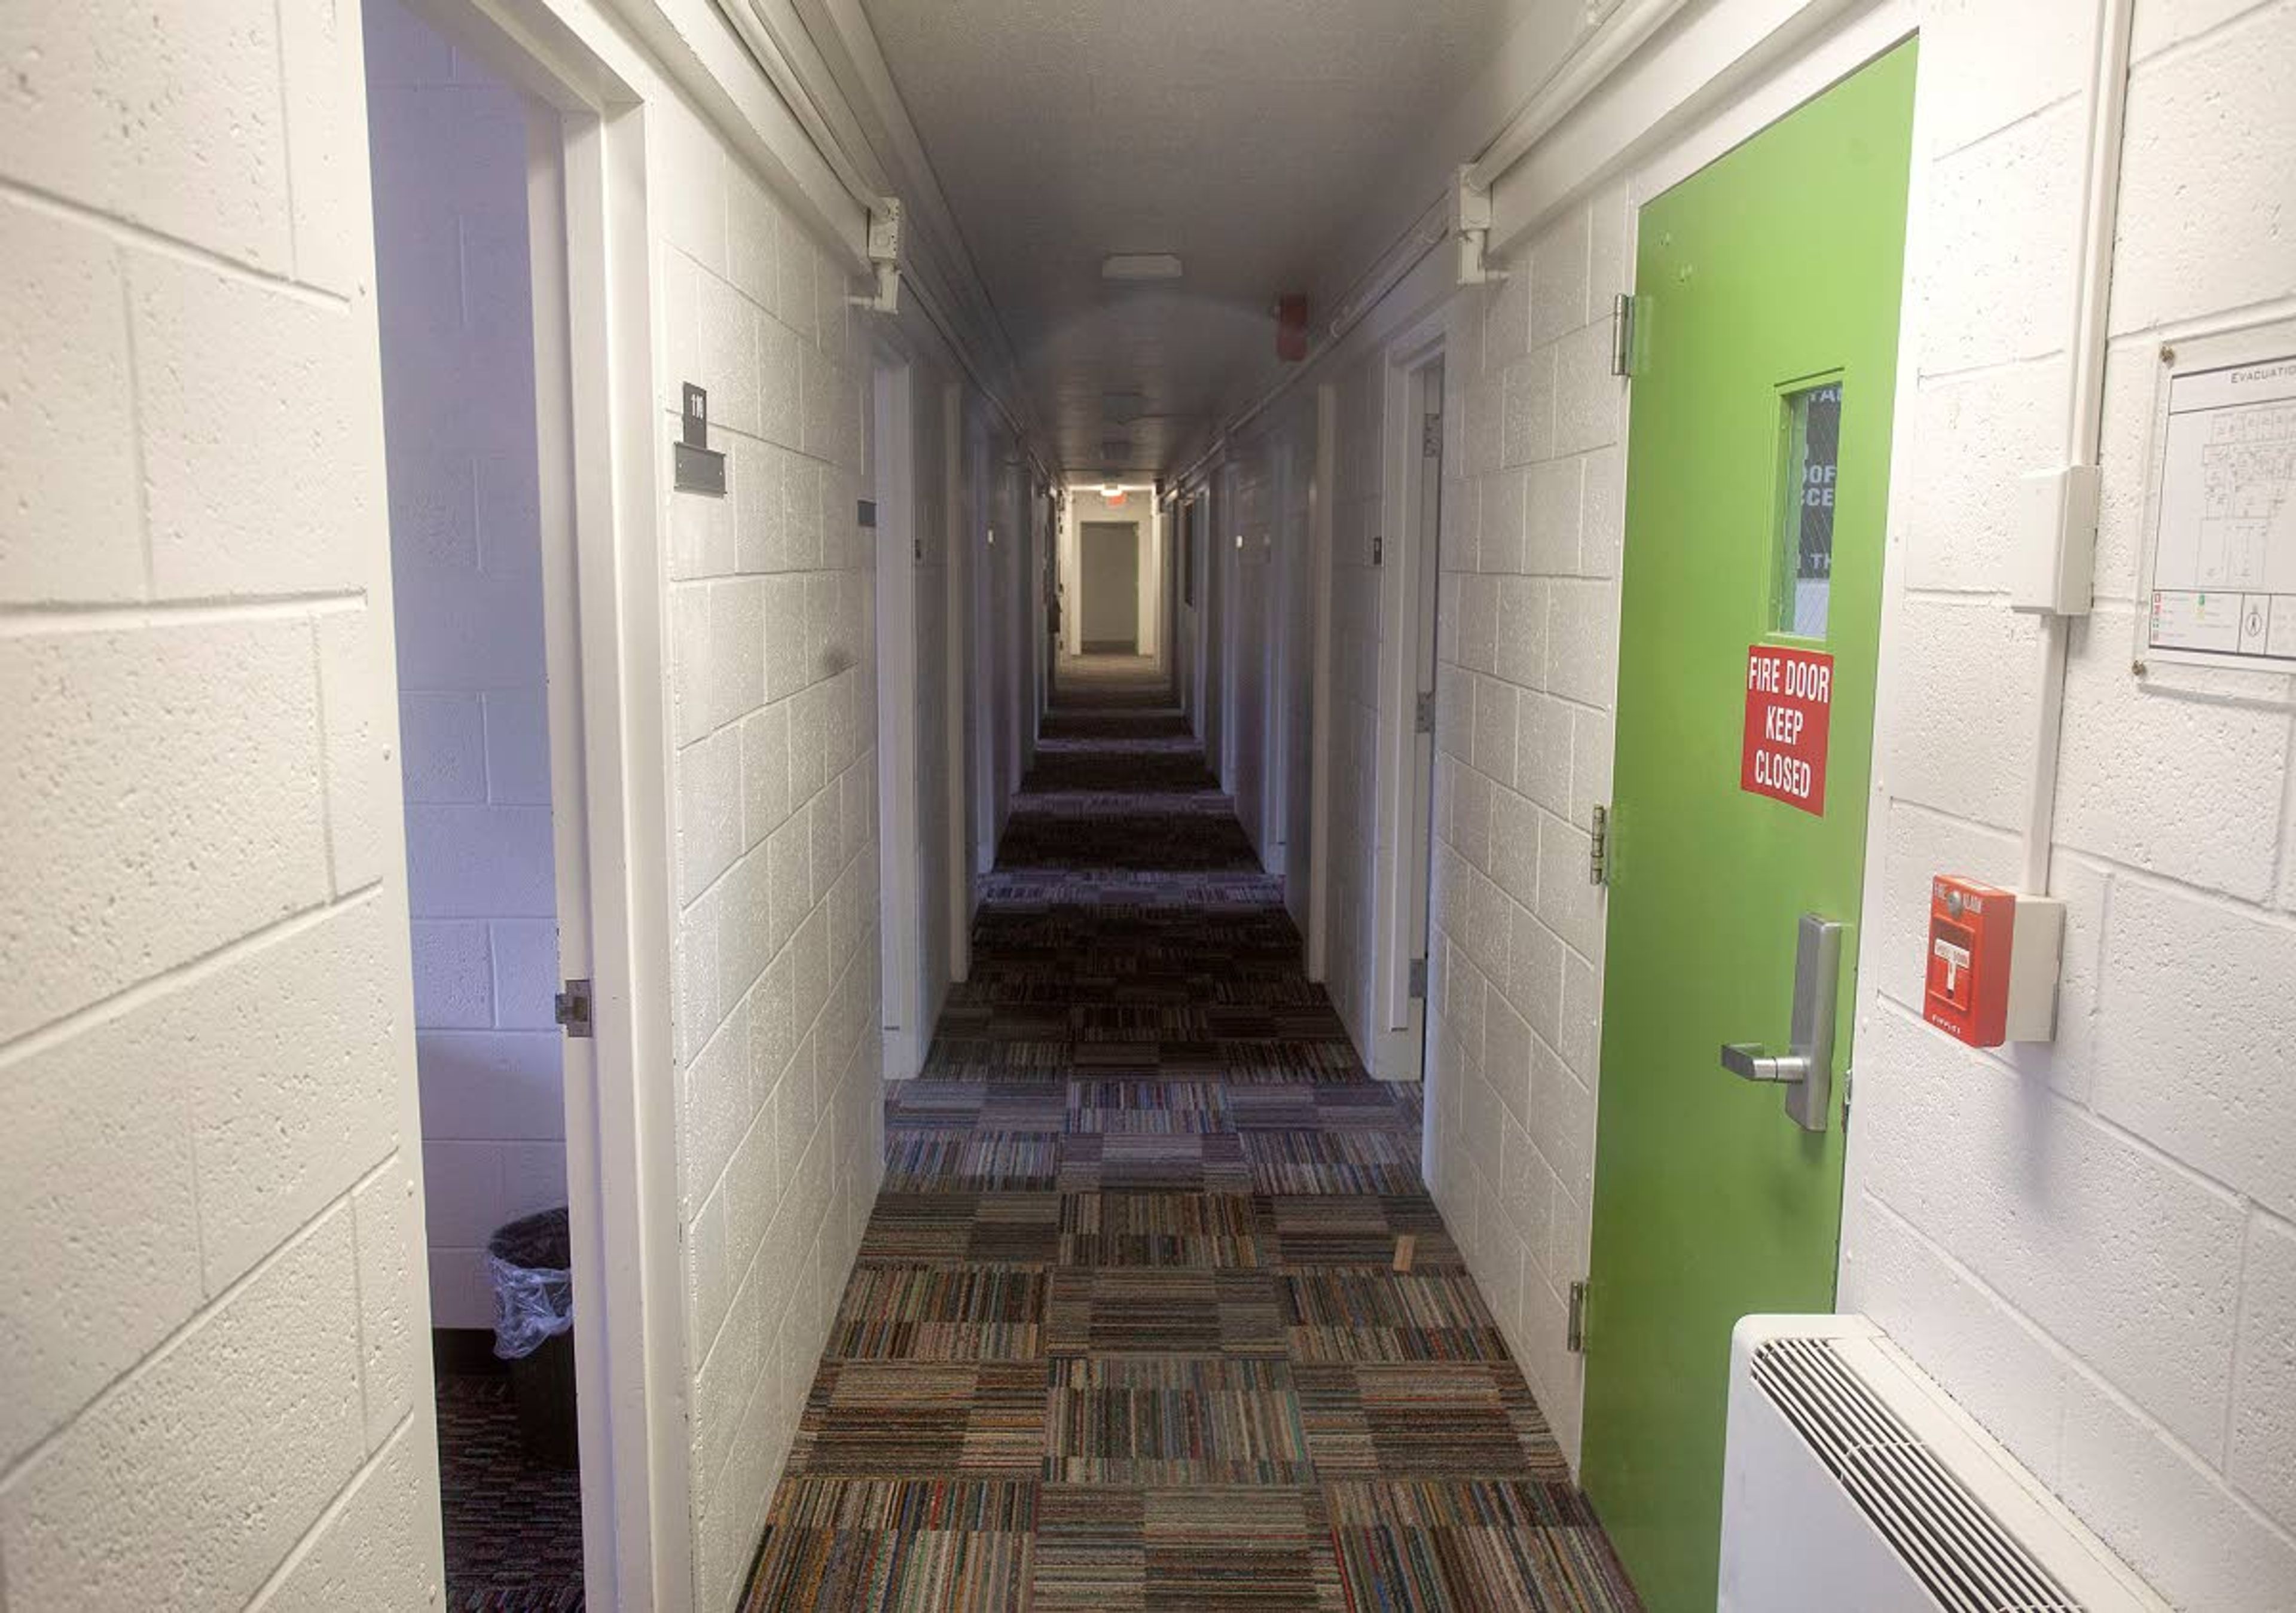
530,1261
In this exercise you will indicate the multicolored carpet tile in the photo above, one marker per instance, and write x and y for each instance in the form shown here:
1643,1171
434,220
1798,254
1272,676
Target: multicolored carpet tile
514,1528
1154,1312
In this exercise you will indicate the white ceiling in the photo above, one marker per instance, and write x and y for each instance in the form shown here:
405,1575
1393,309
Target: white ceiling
1247,137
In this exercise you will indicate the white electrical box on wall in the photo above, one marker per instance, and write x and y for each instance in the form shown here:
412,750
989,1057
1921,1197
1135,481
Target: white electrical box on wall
2219,569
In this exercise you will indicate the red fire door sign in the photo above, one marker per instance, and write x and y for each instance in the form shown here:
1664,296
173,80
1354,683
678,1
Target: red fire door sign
1789,707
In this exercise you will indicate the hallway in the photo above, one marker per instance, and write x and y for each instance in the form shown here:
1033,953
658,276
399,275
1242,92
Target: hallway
1153,1310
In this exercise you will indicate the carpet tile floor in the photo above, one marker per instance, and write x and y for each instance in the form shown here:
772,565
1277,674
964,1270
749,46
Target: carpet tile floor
1154,1312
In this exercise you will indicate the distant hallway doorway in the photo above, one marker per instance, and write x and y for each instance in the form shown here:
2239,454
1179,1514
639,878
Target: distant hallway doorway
1111,607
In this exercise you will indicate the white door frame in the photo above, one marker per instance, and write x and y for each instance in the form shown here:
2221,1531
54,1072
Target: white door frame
600,505
1320,521
1407,587
900,929
955,532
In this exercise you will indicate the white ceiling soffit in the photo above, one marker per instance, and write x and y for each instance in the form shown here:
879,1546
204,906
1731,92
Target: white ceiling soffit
1273,145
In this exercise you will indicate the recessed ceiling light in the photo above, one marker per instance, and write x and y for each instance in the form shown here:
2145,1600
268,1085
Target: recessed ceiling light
1139,266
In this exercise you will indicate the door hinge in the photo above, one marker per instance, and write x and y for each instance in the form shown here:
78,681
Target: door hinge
1419,979
574,1008
1622,334
1574,1325
1431,436
1849,1087
1598,850
1423,719
1378,548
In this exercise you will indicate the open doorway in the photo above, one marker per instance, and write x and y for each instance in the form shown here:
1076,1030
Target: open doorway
512,287
1109,556
1414,410
453,167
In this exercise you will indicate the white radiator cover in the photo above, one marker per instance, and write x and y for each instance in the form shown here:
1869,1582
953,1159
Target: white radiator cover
1851,1481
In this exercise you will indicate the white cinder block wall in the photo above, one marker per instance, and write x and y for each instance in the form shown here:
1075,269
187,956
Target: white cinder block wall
448,140
2093,1244
212,1318
1526,635
773,719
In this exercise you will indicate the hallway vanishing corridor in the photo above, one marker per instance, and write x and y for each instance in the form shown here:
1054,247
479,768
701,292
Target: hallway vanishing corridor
1154,1311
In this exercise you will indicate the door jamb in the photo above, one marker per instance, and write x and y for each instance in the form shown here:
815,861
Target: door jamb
1319,754
1397,1053
610,751
900,870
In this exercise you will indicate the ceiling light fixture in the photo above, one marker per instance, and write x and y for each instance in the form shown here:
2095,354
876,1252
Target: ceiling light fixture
1139,266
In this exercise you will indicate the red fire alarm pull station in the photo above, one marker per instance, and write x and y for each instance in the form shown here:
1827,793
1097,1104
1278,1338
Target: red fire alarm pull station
1991,973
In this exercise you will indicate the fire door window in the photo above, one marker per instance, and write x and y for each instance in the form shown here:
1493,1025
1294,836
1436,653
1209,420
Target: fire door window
1810,432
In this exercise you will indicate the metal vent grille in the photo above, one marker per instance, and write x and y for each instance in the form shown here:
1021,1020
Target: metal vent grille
1954,1547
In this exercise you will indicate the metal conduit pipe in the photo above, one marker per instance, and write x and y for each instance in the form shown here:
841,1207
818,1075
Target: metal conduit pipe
2085,355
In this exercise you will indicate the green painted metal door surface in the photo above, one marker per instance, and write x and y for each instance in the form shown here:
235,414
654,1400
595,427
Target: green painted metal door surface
1767,287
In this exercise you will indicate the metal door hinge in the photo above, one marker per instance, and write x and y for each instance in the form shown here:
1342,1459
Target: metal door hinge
1419,979
1423,718
1431,436
1574,1326
1598,851
1848,1087
1378,548
574,1008
1622,334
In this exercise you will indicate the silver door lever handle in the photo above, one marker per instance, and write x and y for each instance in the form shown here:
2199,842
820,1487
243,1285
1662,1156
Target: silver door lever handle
1747,1058
1805,1069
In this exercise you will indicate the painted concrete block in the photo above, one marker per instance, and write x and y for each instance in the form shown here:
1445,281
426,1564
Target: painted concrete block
130,747
2129,1261
115,132
1528,408
1555,503
687,170
525,972
250,403
2004,1373
445,740
709,810
362,780
2005,214
1975,438
2173,1519
2261,1455
2209,130
1957,729
461,1190
518,746
1558,278
480,861
72,527
753,240
2196,1036
2008,64
1589,401
210,1463
496,1085
382,1547
1582,642
454,974
95,1161
386,1215
296,1067
2186,788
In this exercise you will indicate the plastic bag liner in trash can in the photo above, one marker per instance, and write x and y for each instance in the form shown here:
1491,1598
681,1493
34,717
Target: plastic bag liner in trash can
534,1313
534,1288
